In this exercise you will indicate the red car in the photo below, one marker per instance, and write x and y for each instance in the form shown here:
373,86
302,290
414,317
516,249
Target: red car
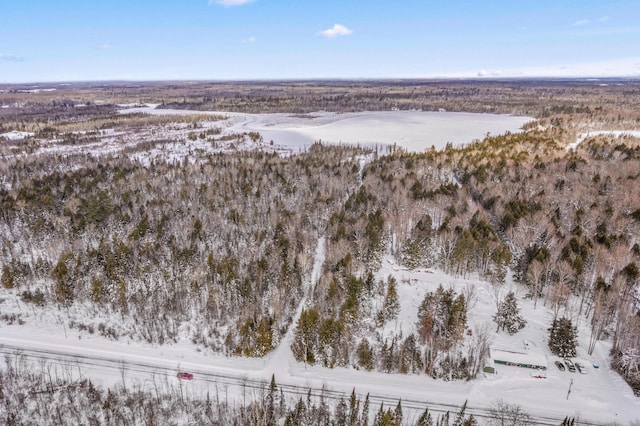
184,375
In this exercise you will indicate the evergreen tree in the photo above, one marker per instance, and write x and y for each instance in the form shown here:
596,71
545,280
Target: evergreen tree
365,355
562,337
341,413
508,315
443,420
410,356
459,420
377,420
462,420
443,316
271,410
425,419
391,305
300,413
364,420
398,413
353,409
470,421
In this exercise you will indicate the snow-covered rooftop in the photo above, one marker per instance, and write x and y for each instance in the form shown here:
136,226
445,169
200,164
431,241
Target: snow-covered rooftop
521,358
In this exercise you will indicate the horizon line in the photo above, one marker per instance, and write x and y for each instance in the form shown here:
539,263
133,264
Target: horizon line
320,79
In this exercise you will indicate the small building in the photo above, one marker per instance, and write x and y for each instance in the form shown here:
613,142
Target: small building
489,366
519,358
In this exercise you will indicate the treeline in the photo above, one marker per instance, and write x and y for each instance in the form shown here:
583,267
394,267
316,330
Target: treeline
580,99
539,98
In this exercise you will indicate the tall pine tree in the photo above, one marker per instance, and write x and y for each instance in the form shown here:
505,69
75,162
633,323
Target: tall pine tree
562,338
508,315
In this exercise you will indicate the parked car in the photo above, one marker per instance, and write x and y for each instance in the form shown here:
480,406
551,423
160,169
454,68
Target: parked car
570,365
184,375
560,365
582,369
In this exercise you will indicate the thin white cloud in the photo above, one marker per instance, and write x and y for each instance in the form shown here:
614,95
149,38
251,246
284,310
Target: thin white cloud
230,3
251,39
104,46
336,31
621,67
485,73
10,58
582,22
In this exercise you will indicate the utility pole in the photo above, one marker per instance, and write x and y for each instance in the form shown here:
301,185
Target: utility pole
570,384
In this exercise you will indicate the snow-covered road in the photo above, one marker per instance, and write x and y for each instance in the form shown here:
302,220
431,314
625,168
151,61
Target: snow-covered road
93,364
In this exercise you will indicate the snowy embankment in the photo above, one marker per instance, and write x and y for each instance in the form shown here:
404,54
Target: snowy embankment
614,133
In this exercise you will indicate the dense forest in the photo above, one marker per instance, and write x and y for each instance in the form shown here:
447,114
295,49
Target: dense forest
224,243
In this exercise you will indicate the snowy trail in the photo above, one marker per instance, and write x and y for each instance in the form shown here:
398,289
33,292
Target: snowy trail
615,133
281,360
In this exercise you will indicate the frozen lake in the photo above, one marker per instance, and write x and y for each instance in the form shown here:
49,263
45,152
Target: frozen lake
415,131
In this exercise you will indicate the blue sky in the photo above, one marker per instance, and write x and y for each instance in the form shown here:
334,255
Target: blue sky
68,40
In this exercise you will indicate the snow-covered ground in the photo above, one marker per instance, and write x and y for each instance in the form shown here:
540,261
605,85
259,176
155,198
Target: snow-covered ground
614,133
15,135
600,395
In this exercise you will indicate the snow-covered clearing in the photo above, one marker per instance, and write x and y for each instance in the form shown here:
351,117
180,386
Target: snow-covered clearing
15,135
614,133
600,395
